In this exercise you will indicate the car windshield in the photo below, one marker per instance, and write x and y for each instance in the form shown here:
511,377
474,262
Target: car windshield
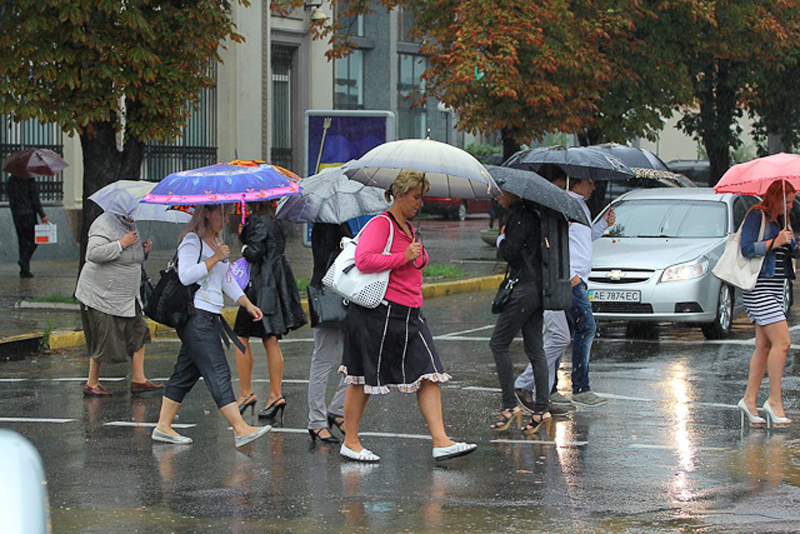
669,218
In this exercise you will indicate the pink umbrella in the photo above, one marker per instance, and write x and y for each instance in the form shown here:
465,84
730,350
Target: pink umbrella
755,177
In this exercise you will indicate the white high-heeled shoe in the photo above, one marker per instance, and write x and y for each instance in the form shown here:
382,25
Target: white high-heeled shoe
755,420
774,420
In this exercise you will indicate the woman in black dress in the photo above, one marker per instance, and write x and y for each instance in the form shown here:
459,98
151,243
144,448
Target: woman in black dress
274,290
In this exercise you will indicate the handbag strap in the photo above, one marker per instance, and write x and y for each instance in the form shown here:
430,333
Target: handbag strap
389,241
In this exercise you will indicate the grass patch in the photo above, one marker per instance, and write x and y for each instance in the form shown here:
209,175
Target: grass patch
438,270
302,284
58,298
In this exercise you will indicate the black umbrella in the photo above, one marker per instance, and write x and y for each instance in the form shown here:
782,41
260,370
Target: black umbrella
580,163
531,186
632,156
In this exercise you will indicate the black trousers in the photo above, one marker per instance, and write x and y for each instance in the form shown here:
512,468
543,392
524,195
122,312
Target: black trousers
201,354
524,312
24,224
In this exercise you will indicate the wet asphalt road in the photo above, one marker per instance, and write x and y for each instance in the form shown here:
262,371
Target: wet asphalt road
666,454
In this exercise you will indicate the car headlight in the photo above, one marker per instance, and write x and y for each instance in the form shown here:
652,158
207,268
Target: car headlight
685,271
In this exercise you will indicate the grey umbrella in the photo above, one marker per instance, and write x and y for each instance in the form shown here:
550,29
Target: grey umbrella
330,197
531,186
581,163
632,156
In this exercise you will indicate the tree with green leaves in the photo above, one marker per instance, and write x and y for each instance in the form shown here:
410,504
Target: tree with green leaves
726,47
99,68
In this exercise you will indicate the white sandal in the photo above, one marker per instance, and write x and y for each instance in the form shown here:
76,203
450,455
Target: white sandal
453,451
364,455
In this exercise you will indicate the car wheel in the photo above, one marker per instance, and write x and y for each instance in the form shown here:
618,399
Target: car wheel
721,326
461,213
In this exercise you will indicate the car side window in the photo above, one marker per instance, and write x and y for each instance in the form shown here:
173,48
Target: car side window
741,205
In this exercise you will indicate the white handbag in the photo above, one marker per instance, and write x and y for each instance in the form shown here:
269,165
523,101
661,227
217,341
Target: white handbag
734,268
344,278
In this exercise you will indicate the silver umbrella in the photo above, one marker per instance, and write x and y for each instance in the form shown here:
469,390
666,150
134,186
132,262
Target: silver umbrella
452,172
330,197
581,163
123,197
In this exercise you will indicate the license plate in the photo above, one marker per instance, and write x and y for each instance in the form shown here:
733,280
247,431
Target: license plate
604,295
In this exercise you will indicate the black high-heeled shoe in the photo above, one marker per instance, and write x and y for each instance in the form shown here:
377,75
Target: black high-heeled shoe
332,422
315,436
248,402
271,411
538,419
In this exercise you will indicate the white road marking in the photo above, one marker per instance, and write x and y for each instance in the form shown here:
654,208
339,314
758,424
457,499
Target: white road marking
83,379
147,425
673,447
13,379
487,327
542,442
33,420
477,388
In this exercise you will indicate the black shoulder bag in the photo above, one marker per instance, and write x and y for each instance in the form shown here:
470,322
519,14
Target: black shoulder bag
171,303
325,307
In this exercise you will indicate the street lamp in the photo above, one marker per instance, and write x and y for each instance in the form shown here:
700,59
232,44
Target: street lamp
317,15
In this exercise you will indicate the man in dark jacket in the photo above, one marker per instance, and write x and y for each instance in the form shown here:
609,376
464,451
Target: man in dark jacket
23,199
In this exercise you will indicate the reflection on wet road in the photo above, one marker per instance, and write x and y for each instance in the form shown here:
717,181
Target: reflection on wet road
666,454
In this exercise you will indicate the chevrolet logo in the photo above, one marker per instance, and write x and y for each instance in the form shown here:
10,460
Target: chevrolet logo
616,274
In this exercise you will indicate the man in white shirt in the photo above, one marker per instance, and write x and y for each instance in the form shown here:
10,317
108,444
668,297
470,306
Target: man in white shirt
580,317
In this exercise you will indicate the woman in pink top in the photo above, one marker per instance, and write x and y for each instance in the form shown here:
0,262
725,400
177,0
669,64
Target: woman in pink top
390,347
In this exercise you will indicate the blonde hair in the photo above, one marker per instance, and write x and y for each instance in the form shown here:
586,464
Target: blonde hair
199,223
405,182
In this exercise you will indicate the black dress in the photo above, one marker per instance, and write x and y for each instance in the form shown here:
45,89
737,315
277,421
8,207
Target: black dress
272,285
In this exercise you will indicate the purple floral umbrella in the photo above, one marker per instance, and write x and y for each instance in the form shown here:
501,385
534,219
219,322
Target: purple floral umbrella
225,183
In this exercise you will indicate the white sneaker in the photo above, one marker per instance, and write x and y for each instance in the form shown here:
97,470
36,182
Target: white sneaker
453,451
364,455
177,439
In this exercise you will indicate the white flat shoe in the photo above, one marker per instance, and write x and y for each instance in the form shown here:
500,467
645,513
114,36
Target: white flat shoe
755,420
177,439
453,451
774,420
364,455
241,441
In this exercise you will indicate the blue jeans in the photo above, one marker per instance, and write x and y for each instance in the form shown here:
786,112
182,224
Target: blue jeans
582,327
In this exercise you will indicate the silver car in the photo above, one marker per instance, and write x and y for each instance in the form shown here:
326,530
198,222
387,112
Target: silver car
654,264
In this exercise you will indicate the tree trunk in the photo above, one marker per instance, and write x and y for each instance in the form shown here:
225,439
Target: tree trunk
510,144
718,114
102,165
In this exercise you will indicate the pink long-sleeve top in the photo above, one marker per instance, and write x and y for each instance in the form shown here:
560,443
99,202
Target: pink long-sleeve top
405,280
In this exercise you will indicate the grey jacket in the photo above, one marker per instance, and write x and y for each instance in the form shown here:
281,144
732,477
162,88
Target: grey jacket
110,278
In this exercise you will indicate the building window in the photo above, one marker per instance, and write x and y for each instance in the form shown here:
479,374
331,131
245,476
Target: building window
349,83
405,25
351,26
413,122
282,153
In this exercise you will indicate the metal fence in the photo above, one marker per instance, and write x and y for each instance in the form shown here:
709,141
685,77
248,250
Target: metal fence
197,146
16,136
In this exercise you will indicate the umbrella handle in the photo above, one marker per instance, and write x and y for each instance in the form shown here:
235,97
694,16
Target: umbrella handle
325,125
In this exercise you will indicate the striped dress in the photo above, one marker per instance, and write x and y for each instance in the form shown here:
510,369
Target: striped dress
764,303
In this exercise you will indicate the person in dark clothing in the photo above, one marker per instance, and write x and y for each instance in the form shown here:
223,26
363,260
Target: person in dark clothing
328,341
23,199
274,290
519,245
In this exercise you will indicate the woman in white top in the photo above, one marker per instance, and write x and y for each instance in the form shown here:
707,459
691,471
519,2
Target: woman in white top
203,263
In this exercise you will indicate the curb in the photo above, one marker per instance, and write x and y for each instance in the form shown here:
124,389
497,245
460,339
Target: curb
64,339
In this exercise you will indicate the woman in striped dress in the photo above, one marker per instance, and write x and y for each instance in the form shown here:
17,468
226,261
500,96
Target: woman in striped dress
765,234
